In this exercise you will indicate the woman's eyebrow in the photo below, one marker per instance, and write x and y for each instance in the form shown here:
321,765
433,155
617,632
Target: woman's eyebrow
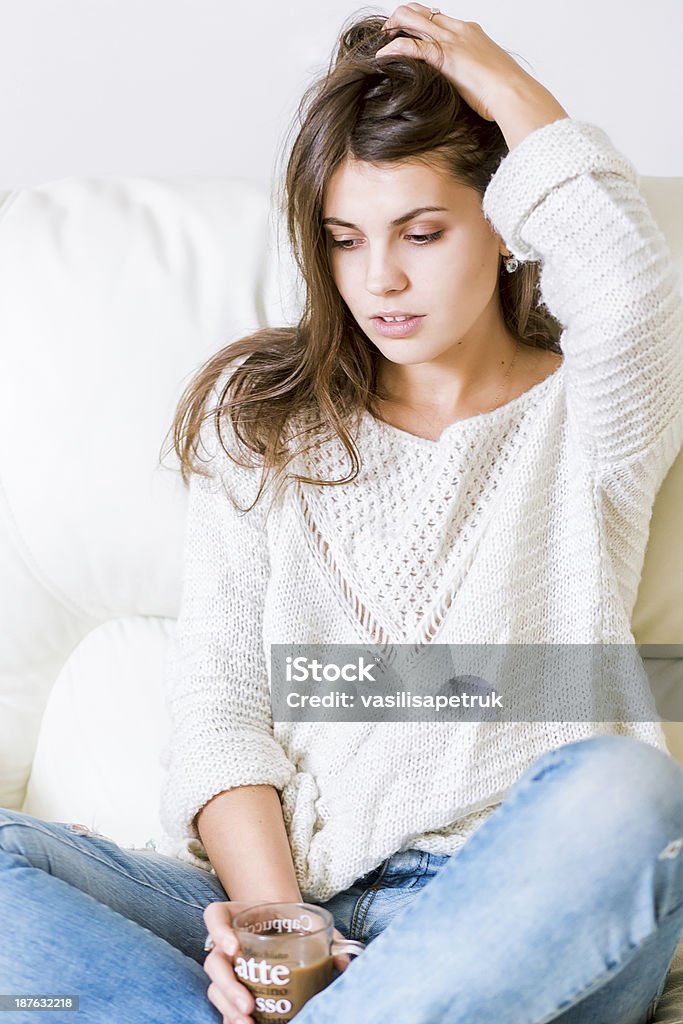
394,223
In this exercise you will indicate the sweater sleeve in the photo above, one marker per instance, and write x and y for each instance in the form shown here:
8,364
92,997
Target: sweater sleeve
565,197
216,677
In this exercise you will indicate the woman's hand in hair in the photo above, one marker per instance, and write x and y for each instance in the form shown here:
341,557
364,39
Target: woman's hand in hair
484,73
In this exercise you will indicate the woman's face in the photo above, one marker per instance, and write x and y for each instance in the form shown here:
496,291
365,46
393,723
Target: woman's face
440,264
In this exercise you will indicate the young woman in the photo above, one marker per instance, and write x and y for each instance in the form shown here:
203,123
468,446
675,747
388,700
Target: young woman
505,443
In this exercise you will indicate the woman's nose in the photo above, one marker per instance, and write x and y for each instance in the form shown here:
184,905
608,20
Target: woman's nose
384,273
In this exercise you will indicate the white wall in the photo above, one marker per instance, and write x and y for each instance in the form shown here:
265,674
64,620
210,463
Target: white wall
207,87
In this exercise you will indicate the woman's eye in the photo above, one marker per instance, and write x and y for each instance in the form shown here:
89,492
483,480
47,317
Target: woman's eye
348,243
424,239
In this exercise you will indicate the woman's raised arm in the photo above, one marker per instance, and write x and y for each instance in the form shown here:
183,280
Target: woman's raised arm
566,197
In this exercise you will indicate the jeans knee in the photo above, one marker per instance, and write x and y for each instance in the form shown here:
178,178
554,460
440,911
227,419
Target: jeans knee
625,780
19,835
651,773
8,819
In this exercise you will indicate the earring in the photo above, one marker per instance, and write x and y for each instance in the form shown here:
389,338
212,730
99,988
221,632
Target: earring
511,263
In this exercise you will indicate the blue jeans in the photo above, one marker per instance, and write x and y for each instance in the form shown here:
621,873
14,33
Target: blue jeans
565,905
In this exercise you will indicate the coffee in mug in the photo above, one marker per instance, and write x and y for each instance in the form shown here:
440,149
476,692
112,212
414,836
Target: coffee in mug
286,955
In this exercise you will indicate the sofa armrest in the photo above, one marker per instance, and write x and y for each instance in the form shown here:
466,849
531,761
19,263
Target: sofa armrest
670,1006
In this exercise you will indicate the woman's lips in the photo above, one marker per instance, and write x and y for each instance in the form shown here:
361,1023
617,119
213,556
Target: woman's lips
396,330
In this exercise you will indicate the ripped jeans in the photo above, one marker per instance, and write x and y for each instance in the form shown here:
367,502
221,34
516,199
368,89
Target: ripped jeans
565,905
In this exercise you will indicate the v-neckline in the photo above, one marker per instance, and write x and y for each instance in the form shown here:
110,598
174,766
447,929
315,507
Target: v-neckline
363,610
467,422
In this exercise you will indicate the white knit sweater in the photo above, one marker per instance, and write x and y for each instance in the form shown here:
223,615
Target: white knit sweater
528,526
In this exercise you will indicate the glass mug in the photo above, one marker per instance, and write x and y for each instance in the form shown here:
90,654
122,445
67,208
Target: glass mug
285,956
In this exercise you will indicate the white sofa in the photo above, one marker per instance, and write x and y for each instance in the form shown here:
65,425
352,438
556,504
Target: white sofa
113,292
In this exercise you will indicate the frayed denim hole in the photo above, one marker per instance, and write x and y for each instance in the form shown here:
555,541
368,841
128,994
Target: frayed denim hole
83,830
671,850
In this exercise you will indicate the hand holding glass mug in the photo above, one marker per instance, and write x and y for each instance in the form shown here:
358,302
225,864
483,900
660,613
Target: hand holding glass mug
269,959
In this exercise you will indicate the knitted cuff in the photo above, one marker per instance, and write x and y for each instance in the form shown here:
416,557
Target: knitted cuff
542,162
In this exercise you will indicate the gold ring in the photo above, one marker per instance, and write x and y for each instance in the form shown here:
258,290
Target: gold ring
434,10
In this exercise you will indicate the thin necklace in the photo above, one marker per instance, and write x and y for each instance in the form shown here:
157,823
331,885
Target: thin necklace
506,377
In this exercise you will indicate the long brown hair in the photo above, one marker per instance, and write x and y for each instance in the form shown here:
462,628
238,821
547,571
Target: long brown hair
311,379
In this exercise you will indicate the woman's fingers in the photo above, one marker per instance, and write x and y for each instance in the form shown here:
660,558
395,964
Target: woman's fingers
416,14
415,17
226,992
340,960
218,921
403,45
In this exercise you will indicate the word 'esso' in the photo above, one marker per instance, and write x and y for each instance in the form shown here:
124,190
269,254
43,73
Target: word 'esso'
273,1005
259,972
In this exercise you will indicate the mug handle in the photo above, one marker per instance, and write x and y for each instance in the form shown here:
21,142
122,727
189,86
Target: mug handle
350,946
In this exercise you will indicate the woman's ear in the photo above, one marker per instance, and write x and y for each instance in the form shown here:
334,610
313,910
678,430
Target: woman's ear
502,247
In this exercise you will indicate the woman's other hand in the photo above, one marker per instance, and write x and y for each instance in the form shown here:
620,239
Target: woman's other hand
341,960
480,70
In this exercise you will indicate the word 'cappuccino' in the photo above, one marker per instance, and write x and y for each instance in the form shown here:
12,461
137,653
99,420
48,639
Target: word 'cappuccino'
302,925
